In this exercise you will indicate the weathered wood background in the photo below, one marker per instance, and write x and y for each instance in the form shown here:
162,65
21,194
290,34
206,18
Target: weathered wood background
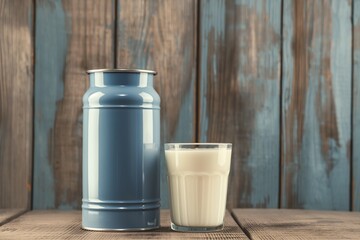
280,79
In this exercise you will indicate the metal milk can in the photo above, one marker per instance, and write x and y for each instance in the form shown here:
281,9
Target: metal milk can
121,147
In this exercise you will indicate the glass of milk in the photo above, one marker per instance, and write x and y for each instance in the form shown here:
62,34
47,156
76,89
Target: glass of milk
198,179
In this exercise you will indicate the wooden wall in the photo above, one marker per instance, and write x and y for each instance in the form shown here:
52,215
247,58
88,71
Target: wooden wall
355,153
16,106
280,79
316,104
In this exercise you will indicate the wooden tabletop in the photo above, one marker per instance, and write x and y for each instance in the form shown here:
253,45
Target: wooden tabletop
253,224
298,224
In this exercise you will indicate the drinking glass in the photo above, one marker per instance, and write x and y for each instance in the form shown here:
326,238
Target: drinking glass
198,180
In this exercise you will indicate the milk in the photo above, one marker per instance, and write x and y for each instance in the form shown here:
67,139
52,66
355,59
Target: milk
198,181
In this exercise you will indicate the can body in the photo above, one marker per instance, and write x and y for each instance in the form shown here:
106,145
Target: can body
121,147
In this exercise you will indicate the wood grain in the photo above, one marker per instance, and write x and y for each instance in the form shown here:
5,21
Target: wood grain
237,91
6,215
71,37
240,94
16,93
356,108
67,225
298,224
161,35
316,104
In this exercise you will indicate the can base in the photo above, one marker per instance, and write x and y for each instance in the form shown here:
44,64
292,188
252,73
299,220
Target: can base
119,230
120,220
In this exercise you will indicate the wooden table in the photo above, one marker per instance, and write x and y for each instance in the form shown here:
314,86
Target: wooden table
253,224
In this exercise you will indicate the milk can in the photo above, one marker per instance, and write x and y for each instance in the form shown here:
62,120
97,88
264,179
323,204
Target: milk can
121,147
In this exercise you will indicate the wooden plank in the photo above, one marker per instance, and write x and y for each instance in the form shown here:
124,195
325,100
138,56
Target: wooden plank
67,225
316,104
240,93
6,215
356,107
71,37
161,35
298,224
16,93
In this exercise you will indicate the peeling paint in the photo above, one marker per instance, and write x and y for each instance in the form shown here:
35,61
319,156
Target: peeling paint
240,53
317,90
356,108
50,52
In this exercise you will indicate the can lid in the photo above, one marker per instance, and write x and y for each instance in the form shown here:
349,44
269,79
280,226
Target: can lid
122,70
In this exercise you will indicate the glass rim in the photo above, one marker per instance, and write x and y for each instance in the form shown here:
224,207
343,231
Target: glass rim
213,145
121,70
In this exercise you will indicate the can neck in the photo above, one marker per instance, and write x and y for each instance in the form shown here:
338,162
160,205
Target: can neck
106,79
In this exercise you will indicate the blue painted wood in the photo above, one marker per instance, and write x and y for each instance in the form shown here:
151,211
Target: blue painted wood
356,107
316,104
68,37
51,48
161,35
240,93
16,93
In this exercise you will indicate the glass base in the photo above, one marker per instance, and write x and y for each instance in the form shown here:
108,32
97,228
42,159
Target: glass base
196,229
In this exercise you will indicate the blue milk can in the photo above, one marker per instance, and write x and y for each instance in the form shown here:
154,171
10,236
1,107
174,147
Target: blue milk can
121,147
